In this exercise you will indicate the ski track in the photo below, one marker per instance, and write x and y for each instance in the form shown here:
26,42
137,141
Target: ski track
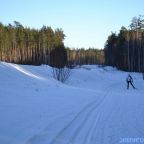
97,134
75,126
92,123
89,119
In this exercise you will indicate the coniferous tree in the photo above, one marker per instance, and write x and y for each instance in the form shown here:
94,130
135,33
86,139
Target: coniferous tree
125,49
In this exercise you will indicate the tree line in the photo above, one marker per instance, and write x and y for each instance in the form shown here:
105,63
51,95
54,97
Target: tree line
85,56
24,45
125,50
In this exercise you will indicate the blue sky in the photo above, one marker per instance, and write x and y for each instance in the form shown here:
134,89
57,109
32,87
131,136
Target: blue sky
86,23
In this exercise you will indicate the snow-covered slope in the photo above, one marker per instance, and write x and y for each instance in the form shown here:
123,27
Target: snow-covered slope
93,107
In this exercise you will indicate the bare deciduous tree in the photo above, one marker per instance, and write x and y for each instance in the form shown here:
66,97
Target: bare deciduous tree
61,74
58,61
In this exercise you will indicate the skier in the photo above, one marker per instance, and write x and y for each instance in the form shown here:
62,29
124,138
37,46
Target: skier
130,81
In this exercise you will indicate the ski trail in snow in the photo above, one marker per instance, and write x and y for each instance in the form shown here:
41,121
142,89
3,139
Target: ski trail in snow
82,125
102,121
75,125
88,126
87,117
97,132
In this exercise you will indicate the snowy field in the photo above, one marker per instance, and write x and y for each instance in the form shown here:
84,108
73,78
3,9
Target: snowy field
93,107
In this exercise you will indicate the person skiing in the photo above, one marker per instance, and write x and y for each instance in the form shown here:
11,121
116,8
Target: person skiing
130,81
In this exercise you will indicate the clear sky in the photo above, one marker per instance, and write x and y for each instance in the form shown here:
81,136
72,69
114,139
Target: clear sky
86,23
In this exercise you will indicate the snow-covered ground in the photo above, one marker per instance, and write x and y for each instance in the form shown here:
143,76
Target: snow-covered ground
93,107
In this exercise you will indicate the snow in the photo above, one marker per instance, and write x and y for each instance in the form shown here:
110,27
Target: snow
93,107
